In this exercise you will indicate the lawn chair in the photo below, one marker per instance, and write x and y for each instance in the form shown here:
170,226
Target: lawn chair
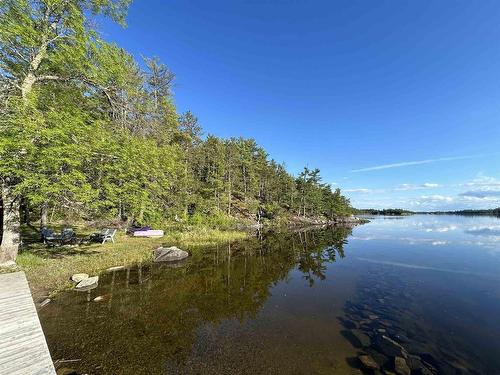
49,237
68,236
109,235
104,235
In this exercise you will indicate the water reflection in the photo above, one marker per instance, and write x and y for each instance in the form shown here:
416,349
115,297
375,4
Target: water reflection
482,231
149,317
307,302
432,285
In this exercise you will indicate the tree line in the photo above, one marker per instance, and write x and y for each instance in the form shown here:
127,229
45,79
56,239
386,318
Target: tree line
87,132
384,212
469,212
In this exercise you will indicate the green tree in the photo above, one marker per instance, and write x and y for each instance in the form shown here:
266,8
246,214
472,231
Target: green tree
41,43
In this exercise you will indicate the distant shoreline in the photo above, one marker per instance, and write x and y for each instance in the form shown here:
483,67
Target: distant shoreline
401,212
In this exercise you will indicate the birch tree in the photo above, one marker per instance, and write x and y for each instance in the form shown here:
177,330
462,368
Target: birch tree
41,42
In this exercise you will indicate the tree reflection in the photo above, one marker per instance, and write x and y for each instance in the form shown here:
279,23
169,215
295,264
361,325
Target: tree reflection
154,311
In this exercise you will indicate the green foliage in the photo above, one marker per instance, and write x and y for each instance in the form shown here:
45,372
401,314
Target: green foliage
89,134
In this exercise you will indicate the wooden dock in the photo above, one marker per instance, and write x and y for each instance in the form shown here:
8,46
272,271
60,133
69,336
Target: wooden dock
23,349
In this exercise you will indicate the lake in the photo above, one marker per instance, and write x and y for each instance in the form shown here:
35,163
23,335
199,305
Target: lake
425,288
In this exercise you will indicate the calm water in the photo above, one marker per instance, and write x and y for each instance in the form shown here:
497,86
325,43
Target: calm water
298,303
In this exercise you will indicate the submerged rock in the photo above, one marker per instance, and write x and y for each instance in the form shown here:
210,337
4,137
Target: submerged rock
368,362
424,371
401,367
169,254
362,338
77,277
414,362
88,283
389,347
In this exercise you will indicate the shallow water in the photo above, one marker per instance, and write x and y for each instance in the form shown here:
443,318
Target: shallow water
294,304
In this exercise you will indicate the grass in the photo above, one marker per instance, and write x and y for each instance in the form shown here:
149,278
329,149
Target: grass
49,269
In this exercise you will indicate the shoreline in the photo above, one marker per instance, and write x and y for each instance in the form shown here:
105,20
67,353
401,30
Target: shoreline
49,269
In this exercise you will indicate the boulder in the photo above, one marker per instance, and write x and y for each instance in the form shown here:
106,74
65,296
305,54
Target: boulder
368,362
401,367
88,283
77,277
169,254
414,362
362,338
389,347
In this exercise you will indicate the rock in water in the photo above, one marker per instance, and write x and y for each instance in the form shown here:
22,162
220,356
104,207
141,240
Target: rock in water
401,367
77,277
368,362
362,338
169,254
389,347
88,283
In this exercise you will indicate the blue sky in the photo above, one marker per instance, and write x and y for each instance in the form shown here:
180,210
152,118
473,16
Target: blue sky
397,102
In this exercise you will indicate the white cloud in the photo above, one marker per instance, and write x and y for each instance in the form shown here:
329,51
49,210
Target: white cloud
407,187
434,198
483,187
430,185
361,190
481,194
416,162
483,181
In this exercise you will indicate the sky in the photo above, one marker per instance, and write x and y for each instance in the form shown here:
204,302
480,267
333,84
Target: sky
396,102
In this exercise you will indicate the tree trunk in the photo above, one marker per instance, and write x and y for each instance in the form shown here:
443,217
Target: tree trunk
120,210
229,196
11,236
44,215
30,78
11,223
25,208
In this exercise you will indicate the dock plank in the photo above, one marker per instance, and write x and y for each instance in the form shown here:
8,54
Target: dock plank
23,348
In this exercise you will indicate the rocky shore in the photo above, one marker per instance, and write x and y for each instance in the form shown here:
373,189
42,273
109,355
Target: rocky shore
350,221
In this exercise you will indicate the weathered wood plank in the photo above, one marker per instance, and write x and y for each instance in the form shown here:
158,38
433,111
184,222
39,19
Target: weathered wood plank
23,349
